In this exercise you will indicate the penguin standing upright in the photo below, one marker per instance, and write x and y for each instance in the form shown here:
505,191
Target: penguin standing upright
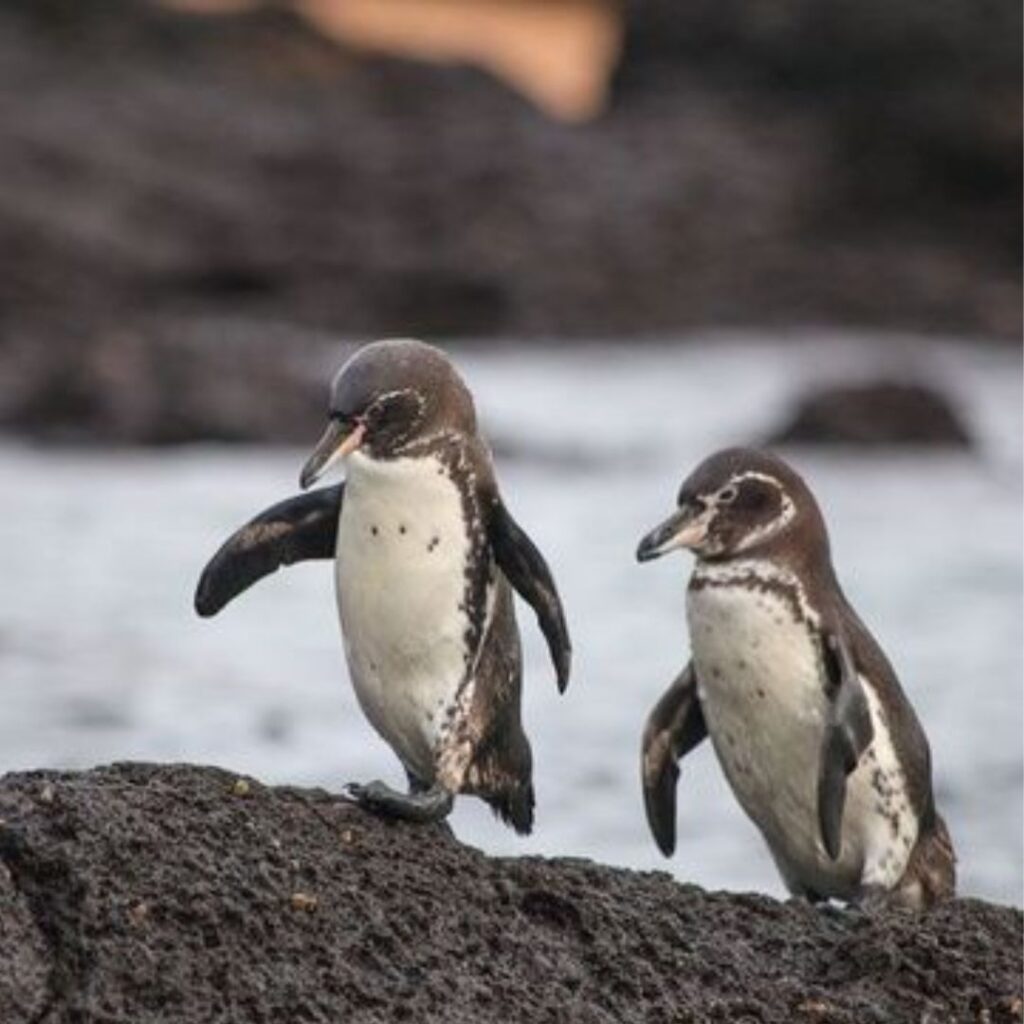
426,555
807,717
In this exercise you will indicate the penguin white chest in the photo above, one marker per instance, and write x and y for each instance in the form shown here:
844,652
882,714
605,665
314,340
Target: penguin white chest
401,568
761,684
761,691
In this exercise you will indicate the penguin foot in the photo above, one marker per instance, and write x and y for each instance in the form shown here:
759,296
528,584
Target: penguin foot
378,797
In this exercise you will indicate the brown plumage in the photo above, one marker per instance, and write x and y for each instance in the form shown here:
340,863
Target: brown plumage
786,678
426,558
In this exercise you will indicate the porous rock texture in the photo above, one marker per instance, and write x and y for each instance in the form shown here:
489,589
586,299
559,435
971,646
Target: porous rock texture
138,893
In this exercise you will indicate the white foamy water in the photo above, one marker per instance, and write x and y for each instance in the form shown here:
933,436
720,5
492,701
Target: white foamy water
102,658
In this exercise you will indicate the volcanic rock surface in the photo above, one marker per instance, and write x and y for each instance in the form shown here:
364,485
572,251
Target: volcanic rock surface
143,893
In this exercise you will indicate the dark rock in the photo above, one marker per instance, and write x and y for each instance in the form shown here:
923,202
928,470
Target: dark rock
170,383
141,893
875,414
851,162
832,160
24,956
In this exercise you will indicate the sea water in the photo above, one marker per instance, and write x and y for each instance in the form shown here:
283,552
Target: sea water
103,659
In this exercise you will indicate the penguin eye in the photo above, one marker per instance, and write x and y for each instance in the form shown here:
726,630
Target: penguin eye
395,410
727,495
384,410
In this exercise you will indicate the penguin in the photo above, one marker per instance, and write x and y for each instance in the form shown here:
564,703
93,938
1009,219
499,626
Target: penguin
806,715
426,556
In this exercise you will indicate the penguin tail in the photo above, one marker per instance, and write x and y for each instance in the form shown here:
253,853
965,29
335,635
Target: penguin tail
502,772
930,876
514,806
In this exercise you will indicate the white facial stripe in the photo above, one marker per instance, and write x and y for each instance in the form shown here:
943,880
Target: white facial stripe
737,478
446,434
773,526
403,443
753,474
385,396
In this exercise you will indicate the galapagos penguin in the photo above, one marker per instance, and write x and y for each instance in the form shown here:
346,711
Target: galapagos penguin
426,556
807,718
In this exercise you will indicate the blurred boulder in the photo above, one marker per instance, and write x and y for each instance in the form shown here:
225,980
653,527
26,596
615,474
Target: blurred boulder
874,414
162,384
558,55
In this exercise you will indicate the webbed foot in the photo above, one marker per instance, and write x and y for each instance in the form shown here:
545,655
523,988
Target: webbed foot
378,797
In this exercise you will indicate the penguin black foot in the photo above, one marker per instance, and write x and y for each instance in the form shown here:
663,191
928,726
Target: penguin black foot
377,797
810,900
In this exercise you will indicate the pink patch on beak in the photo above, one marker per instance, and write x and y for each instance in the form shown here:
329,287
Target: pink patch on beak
353,441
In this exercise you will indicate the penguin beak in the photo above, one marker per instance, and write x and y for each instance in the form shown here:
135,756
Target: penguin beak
686,528
339,439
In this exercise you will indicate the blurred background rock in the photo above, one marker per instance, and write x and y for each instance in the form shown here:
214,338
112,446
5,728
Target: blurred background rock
223,183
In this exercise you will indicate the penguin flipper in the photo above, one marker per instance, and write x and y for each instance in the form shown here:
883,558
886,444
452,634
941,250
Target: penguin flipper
848,733
293,530
524,567
674,728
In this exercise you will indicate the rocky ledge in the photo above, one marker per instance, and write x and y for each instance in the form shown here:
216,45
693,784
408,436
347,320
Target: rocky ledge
875,414
173,893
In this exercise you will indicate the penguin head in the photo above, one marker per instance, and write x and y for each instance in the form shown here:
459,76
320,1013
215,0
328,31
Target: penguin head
738,502
386,397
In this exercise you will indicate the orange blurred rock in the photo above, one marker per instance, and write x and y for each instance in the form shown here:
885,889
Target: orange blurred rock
560,56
